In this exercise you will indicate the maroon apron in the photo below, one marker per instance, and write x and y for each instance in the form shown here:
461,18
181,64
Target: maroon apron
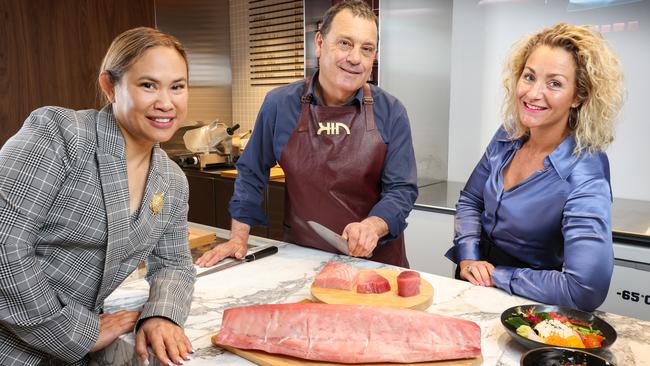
334,177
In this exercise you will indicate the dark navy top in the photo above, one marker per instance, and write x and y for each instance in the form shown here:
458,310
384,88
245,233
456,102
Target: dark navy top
276,121
557,222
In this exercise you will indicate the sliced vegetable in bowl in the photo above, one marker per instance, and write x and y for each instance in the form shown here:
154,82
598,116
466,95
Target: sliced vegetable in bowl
543,325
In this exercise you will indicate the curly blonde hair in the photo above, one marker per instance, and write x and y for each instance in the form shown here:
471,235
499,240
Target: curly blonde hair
599,84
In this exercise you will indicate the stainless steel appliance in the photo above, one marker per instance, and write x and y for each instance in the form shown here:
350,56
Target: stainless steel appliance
629,293
203,146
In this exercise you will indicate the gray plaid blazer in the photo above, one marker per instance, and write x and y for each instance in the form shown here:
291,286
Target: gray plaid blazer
67,238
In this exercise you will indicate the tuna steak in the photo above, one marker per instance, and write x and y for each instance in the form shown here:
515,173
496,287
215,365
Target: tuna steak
408,283
337,275
349,333
371,282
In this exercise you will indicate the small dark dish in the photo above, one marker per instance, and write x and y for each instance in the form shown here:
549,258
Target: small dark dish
555,356
608,331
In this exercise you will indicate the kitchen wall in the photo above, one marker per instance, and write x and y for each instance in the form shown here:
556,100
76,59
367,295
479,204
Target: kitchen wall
443,60
216,35
481,36
50,52
247,99
204,29
417,72
448,75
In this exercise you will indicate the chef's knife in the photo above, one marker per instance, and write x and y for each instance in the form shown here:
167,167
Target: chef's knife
248,258
330,237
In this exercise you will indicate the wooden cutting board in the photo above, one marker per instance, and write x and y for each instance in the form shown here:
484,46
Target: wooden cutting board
198,237
390,298
276,172
267,359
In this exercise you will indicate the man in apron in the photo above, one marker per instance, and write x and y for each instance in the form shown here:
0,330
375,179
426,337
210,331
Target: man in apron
345,147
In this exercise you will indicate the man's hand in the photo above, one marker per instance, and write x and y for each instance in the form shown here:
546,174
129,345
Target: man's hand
477,272
236,247
232,248
167,340
114,325
362,236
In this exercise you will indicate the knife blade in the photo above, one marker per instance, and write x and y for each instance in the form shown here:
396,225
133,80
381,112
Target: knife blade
248,258
332,238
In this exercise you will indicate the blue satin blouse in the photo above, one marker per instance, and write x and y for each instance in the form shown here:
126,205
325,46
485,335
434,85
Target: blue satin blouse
552,229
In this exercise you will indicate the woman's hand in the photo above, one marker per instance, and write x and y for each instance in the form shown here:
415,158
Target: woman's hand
477,272
114,325
167,340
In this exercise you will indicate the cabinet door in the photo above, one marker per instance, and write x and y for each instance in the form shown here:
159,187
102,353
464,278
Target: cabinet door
427,237
202,200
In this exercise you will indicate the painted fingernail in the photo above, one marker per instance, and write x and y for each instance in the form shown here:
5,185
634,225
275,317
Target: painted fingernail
187,358
145,362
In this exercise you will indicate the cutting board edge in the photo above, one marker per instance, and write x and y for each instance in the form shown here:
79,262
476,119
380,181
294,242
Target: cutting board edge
333,296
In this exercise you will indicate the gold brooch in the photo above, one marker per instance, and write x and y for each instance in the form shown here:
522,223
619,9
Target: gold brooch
157,202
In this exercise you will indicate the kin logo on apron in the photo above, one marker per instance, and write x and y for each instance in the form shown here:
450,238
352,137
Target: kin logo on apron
332,128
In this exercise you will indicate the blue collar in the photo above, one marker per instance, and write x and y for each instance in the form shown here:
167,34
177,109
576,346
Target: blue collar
357,97
561,159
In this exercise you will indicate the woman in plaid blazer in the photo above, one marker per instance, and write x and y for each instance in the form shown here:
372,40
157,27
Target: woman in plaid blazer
85,197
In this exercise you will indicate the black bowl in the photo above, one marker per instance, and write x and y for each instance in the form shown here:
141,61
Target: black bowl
556,356
608,331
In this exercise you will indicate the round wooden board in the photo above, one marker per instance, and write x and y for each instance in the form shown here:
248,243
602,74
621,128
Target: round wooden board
390,298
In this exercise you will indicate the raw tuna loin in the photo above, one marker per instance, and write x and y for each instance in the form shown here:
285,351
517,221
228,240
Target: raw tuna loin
337,275
371,282
349,333
408,283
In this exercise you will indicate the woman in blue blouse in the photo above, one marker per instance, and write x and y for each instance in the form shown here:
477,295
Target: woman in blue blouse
535,216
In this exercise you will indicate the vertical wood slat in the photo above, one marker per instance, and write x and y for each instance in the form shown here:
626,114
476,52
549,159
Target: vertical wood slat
50,52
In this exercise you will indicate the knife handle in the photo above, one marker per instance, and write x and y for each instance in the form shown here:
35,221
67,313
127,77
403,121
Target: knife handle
261,254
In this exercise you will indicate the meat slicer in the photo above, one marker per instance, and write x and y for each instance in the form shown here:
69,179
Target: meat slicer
211,144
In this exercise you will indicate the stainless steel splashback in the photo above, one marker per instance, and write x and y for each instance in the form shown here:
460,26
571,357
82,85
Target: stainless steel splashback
203,26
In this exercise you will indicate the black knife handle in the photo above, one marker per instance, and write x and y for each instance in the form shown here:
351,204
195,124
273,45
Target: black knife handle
261,254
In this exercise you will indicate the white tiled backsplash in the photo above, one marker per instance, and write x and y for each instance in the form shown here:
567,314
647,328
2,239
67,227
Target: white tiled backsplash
246,99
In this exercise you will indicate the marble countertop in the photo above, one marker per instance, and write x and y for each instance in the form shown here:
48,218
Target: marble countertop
287,276
630,218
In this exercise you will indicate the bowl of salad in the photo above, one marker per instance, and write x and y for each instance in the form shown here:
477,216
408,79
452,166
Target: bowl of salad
556,356
537,326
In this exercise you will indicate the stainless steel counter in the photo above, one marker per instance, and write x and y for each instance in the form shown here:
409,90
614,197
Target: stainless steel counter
630,218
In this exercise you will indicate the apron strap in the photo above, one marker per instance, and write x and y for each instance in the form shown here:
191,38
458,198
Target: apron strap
368,103
306,99
305,102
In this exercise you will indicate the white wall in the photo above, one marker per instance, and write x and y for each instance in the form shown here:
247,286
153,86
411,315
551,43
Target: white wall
428,236
414,66
482,32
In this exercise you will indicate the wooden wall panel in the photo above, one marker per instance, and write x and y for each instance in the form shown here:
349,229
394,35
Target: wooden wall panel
50,52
